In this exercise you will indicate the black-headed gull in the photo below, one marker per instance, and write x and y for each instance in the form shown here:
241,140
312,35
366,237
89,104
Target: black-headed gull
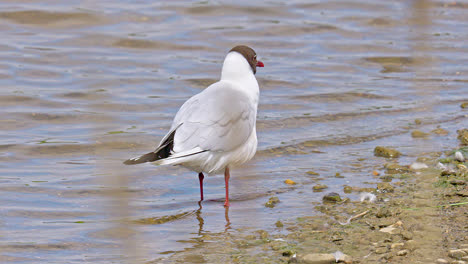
215,129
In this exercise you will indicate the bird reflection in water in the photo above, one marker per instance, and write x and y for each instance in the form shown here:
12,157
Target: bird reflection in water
201,221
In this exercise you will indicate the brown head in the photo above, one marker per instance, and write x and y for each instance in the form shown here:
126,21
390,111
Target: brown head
250,55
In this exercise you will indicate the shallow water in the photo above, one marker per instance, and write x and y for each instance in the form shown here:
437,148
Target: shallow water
88,85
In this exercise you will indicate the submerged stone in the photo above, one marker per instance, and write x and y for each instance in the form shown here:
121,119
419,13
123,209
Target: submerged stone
440,131
272,202
394,168
290,182
332,198
279,224
419,134
347,189
385,152
319,187
463,136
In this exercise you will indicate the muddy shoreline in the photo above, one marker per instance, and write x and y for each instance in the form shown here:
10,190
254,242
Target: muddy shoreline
417,213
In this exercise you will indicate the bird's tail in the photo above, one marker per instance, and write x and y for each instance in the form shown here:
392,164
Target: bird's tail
148,157
162,151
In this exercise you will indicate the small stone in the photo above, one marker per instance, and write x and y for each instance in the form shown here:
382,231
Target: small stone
312,173
317,258
332,198
463,136
385,187
440,131
397,245
403,252
417,121
457,182
263,234
407,235
459,156
394,168
381,250
418,166
464,105
419,134
375,173
272,202
290,182
385,152
441,261
457,253
392,229
347,189
279,224
383,212
338,175
319,187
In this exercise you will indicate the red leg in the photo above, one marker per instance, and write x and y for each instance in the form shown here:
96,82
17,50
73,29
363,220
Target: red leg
200,178
226,181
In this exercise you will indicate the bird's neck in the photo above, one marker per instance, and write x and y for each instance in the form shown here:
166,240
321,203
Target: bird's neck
237,70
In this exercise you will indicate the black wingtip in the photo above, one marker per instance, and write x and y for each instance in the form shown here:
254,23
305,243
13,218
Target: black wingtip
148,157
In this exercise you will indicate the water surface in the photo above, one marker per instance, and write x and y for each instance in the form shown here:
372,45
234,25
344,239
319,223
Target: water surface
86,85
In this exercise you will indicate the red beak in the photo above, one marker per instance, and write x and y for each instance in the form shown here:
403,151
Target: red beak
260,64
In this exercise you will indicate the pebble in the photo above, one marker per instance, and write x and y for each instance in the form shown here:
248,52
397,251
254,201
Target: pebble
457,182
440,131
463,136
381,250
394,168
317,258
385,187
419,134
397,245
418,166
441,261
347,189
279,224
406,235
380,151
332,198
457,253
290,182
392,229
272,202
459,156
319,187
403,252
320,258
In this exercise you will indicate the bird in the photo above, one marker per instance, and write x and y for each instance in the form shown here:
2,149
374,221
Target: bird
215,129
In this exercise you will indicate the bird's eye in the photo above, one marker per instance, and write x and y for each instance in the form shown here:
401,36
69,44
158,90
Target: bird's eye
255,57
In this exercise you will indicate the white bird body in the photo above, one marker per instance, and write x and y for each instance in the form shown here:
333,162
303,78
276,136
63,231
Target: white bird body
215,129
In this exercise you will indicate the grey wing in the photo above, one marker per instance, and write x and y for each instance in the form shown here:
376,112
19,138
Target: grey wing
221,118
